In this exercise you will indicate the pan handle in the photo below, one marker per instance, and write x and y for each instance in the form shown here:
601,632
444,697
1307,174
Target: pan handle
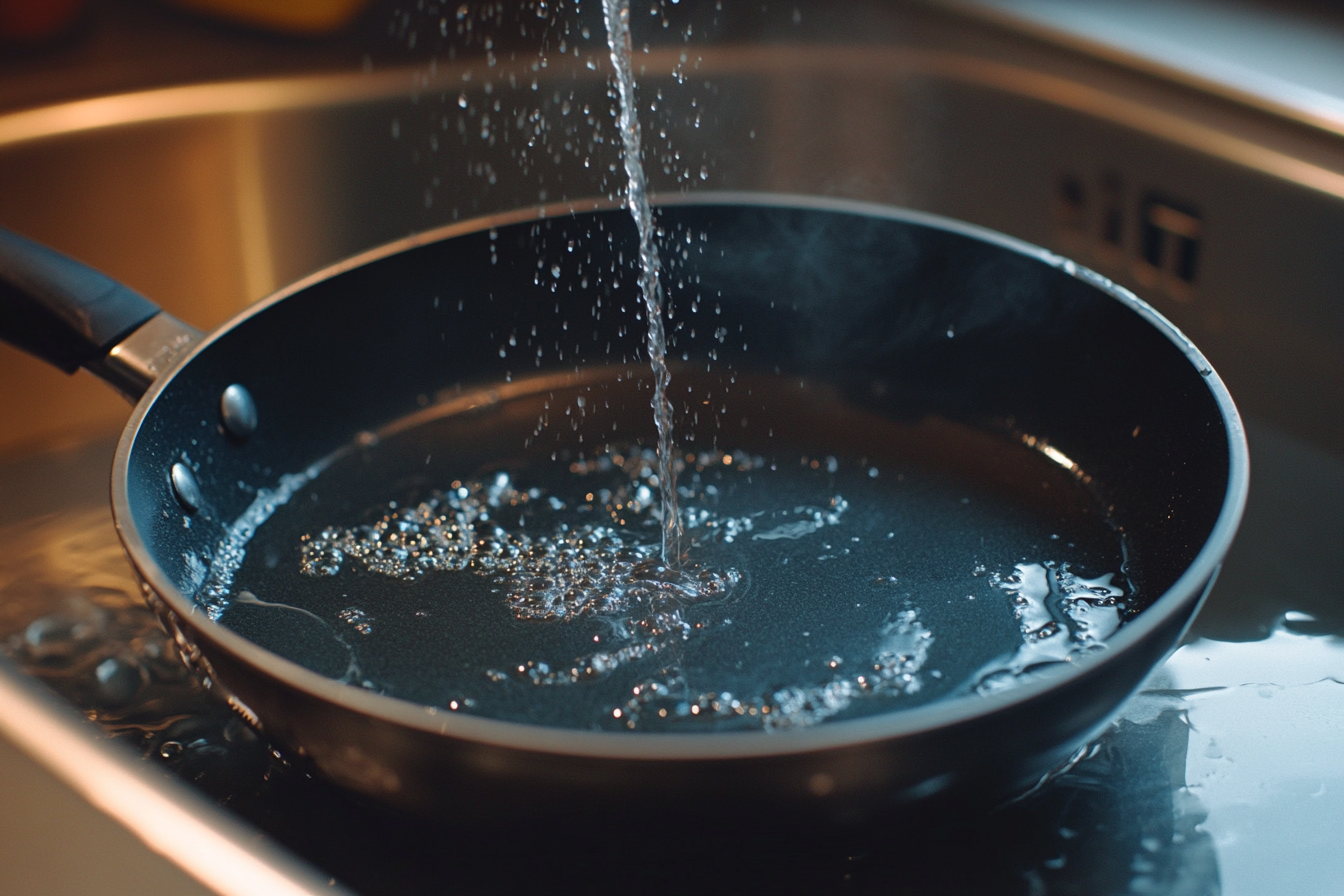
72,316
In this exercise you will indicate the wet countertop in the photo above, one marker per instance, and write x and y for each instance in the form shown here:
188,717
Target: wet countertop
1221,776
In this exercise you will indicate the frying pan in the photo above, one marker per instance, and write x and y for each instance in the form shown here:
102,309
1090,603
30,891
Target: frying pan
905,316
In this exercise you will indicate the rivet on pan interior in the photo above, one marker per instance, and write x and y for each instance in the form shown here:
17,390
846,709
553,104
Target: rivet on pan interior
239,411
185,487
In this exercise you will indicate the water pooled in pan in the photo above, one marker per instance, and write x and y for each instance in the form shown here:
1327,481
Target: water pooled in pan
625,584
820,585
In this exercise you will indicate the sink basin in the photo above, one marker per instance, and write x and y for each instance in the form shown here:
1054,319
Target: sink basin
207,197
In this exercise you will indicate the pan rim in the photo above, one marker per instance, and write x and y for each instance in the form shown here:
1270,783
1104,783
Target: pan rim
1192,584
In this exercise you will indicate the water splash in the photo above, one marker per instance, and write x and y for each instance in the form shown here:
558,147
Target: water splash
598,569
565,574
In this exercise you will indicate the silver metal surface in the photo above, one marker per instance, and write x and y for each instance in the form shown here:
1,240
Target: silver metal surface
1285,59
209,851
185,487
238,411
134,363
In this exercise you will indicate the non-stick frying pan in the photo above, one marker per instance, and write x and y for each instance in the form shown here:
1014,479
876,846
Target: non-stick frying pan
886,317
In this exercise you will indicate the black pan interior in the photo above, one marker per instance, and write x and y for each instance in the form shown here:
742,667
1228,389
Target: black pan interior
893,318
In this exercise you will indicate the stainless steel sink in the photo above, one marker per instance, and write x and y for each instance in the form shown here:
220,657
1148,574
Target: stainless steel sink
207,197
1226,214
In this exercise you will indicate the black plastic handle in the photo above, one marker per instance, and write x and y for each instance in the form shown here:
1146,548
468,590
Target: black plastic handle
64,312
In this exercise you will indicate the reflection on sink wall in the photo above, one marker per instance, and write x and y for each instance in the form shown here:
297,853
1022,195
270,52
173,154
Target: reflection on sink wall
206,198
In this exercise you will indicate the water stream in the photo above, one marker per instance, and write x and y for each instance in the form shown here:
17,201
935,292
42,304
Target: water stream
617,16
